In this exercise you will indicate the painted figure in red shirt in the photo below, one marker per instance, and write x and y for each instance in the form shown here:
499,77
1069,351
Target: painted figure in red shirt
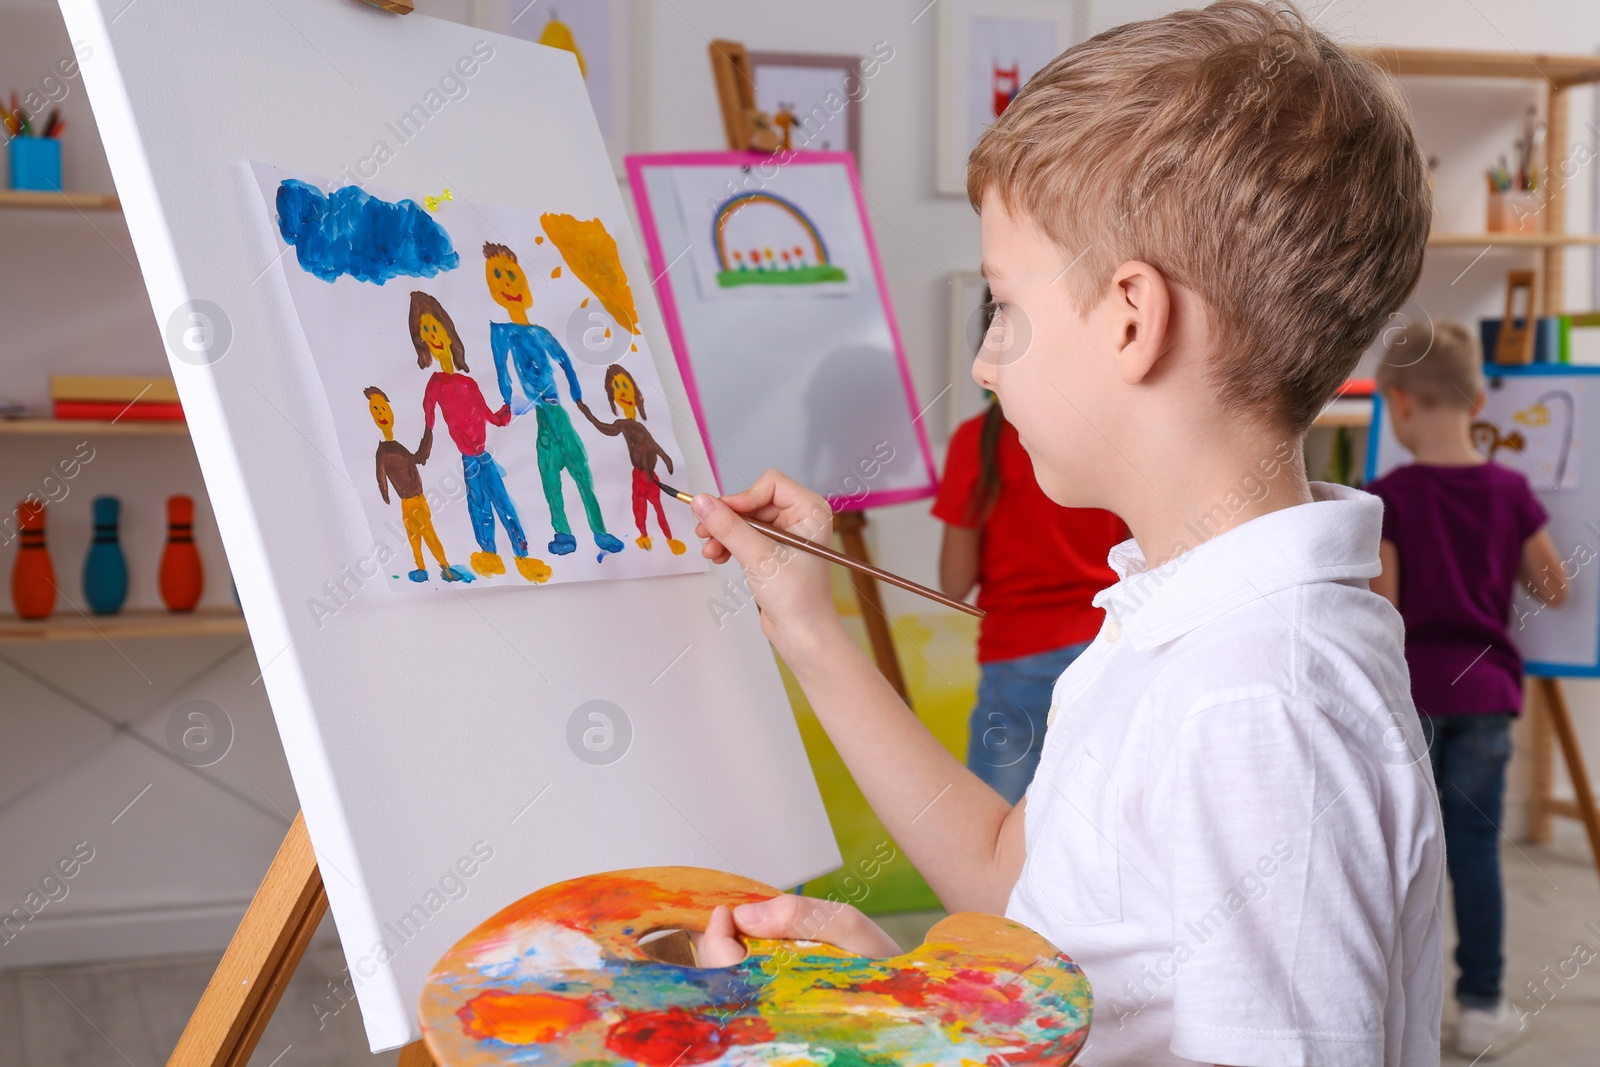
468,417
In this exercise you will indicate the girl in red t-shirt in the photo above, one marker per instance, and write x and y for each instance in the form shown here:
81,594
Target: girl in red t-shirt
1037,566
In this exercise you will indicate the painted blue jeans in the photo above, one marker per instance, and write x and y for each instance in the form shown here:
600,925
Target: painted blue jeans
1469,755
486,498
1006,731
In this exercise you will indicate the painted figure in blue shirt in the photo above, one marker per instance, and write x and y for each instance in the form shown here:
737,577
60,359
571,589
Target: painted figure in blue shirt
530,349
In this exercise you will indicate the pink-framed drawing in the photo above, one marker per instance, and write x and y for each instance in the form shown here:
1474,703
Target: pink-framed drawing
776,305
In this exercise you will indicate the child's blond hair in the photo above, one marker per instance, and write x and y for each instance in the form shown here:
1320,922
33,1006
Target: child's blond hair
1248,158
1437,363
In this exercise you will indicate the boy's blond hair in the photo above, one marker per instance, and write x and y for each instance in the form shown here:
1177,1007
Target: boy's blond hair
1248,158
1437,363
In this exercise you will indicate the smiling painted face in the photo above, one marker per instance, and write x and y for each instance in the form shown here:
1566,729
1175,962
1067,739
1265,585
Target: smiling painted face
507,283
382,414
622,392
437,338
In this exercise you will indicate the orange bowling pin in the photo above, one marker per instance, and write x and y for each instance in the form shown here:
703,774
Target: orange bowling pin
33,578
182,577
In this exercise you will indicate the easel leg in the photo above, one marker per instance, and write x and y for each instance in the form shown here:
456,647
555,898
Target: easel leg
1561,719
1541,770
270,941
1541,778
851,526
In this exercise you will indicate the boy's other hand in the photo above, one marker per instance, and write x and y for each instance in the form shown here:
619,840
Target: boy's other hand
790,918
790,586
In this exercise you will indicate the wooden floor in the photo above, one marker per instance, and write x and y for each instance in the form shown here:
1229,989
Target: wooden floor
132,1013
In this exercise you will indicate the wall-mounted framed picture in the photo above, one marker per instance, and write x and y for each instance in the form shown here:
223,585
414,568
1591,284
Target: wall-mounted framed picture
815,100
600,34
988,49
968,293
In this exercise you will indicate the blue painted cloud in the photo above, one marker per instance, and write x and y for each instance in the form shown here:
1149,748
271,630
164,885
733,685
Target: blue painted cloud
350,232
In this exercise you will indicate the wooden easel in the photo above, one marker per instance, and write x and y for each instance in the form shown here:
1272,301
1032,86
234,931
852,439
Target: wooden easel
736,93
271,940
1550,715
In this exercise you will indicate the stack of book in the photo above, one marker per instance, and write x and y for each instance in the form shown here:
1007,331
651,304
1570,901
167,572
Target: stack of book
115,399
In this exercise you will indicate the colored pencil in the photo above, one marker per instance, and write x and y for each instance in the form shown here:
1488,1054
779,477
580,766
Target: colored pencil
804,545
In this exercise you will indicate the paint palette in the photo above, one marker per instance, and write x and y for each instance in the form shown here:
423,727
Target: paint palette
560,979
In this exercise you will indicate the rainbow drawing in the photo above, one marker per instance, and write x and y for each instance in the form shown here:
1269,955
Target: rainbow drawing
559,980
764,264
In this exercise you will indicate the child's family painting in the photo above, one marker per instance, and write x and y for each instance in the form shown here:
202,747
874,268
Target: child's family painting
504,331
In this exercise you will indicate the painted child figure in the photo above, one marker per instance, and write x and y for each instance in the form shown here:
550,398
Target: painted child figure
643,451
1229,829
468,417
529,349
1459,534
397,466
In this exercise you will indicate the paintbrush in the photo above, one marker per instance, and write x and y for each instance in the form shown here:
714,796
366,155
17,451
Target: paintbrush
794,541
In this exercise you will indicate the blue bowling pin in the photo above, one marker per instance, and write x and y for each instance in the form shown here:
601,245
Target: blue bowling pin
105,571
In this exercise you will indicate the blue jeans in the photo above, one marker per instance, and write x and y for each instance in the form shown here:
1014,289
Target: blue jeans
486,498
1469,755
1007,725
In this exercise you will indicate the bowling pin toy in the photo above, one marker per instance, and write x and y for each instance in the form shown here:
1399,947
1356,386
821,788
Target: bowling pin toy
105,570
182,577
33,578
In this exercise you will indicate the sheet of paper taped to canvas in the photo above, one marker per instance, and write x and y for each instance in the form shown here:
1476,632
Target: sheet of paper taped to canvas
498,409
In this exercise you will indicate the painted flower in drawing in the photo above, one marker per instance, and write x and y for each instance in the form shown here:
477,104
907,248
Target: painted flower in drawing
764,239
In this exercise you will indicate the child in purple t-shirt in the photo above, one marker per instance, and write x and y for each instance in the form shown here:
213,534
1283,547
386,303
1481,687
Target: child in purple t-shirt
1459,532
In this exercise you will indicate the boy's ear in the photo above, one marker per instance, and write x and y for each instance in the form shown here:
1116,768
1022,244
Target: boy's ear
1141,310
1399,401
1478,401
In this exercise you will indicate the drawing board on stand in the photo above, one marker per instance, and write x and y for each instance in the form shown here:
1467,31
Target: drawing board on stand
1538,420
454,744
778,312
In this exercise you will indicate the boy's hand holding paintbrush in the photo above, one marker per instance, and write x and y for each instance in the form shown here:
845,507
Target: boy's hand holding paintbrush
970,851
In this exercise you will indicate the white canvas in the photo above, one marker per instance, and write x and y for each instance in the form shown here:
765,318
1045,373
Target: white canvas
817,388
359,338
526,736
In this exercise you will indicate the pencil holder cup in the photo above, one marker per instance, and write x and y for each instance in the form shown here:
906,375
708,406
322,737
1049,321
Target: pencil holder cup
1516,211
36,163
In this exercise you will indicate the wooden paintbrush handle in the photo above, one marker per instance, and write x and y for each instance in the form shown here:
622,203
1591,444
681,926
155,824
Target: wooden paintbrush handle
804,545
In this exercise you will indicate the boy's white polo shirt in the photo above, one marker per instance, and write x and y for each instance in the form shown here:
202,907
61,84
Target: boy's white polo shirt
1233,828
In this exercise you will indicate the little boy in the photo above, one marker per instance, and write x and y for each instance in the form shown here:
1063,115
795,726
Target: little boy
1458,533
1200,221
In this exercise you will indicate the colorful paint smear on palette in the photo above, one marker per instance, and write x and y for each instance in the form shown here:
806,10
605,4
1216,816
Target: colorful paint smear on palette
747,256
558,979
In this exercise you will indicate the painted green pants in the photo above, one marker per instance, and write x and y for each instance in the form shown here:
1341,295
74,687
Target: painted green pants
560,450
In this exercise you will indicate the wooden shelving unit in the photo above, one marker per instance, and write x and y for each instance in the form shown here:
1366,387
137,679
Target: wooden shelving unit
95,427
67,201
1350,411
69,625
1558,74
